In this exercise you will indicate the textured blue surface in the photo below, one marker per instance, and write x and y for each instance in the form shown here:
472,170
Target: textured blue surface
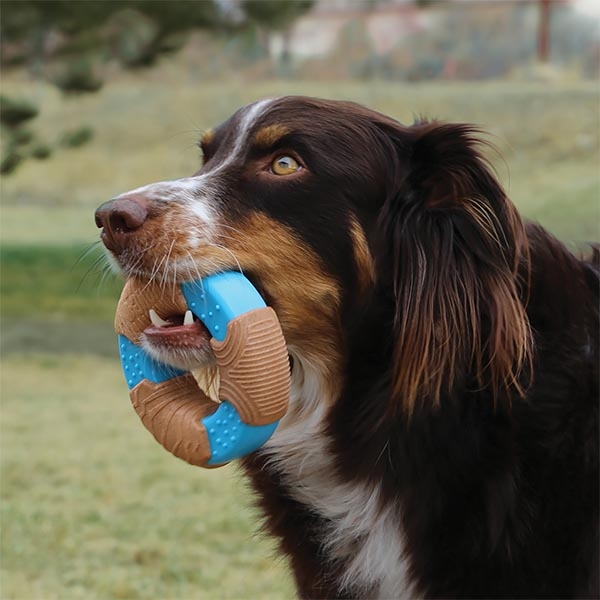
229,437
218,298
137,365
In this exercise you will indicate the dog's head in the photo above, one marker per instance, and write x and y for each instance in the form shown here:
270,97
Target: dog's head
373,241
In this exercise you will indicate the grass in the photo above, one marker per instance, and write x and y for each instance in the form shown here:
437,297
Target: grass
57,299
58,282
93,507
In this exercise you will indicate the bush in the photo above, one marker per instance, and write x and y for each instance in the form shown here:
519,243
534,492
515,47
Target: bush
14,111
10,162
75,138
41,151
77,76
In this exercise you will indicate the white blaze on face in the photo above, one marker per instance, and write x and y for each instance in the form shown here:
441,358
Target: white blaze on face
201,195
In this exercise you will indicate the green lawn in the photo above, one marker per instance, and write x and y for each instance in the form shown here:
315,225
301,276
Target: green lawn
62,282
92,507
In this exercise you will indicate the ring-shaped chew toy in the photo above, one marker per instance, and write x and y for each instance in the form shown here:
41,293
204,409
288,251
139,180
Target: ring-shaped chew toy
251,356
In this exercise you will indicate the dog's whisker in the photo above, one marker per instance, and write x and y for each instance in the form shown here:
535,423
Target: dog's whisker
173,287
152,275
165,272
158,262
228,251
224,236
88,250
98,266
234,229
194,266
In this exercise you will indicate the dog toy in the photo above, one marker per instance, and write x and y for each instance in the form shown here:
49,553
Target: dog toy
251,356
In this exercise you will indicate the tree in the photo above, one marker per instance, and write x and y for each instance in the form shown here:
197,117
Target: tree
276,15
87,37
66,41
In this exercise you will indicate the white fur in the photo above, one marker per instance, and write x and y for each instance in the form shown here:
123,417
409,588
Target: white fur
167,190
364,531
247,122
199,195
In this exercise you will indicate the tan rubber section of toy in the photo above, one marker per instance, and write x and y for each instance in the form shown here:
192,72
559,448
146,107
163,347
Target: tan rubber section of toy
137,298
254,367
172,411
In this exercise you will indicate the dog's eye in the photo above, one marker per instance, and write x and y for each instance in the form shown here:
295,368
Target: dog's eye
285,165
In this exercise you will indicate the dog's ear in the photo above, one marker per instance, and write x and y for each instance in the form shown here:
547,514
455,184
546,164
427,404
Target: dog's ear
456,251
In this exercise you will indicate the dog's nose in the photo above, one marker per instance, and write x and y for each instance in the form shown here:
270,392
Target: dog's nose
119,218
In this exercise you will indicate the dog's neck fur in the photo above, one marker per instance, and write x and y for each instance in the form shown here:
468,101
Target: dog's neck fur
361,533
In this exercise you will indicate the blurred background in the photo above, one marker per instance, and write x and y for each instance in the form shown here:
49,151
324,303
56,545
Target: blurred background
98,97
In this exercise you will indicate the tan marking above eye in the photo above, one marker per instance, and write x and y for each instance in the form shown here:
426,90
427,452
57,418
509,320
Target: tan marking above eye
269,135
285,165
207,137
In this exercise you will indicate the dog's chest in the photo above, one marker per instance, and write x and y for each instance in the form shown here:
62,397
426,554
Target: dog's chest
362,531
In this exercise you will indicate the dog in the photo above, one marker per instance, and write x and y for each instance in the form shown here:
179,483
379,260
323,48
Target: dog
442,435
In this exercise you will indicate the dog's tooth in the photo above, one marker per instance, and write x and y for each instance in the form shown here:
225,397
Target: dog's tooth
188,319
156,320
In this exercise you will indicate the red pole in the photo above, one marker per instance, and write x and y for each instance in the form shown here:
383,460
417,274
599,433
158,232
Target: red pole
543,34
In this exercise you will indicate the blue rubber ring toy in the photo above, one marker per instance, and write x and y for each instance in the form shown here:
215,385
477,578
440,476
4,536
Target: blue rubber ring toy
218,301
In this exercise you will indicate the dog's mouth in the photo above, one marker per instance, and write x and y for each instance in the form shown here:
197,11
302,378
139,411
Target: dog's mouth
171,333
176,331
166,327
